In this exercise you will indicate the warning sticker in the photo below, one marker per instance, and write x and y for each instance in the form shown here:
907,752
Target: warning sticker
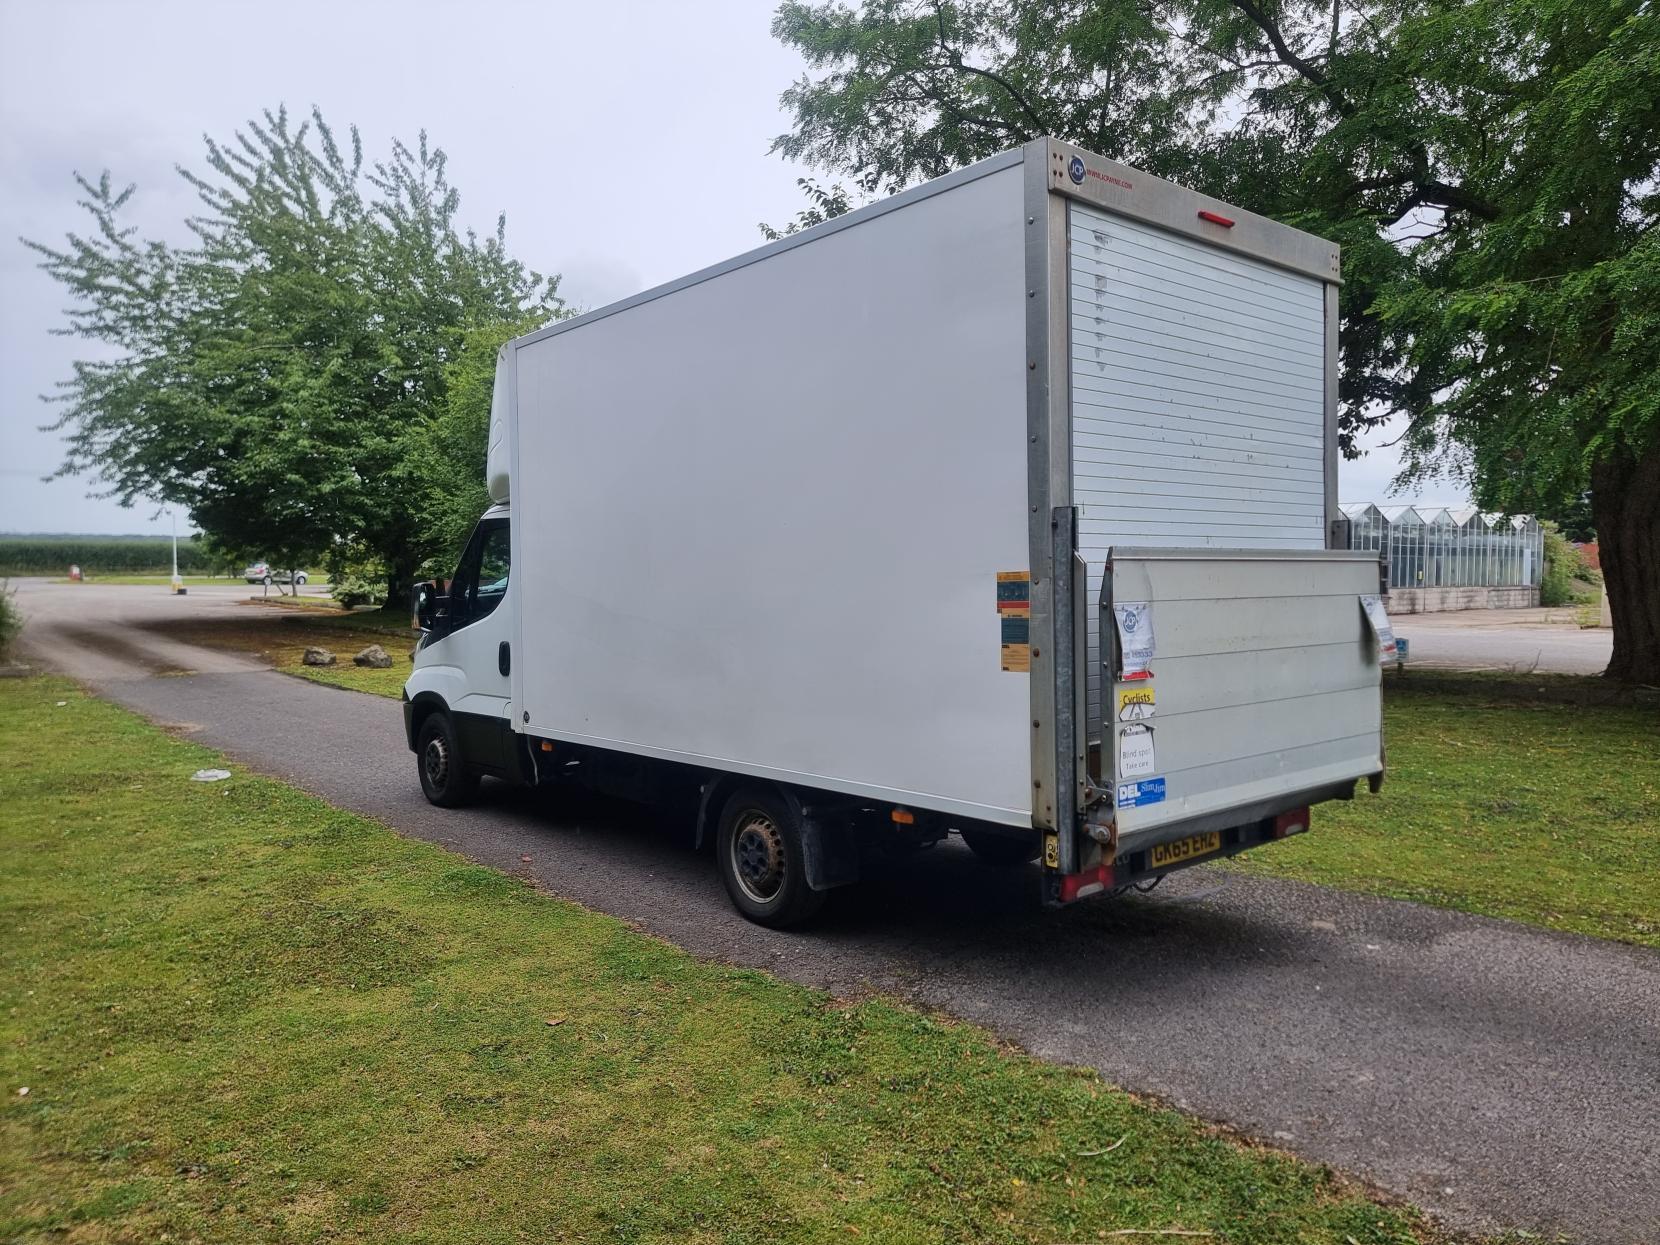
1135,636
1136,702
1135,752
1017,643
1378,618
1142,791
1014,593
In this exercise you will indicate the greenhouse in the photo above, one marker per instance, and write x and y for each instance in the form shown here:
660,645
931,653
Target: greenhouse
1434,547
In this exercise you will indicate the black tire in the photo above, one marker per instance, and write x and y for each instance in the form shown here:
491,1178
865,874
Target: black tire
1004,851
445,778
266,581
299,579
758,849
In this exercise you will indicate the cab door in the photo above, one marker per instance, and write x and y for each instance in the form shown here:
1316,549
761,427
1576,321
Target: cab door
477,643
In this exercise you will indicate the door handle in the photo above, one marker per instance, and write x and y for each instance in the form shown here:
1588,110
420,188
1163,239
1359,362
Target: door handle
504,658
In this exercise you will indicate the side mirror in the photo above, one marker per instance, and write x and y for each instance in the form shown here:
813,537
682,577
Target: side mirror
426,598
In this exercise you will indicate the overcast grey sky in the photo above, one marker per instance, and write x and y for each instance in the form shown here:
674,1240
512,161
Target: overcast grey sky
626,141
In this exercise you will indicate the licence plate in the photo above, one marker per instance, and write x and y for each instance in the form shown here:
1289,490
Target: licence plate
1182,850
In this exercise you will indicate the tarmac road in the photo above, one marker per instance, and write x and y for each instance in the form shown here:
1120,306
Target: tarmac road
1547,641
1498,1075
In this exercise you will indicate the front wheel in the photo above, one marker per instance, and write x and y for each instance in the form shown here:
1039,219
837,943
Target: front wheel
266,581
300,578
761,858
1002,850
445,778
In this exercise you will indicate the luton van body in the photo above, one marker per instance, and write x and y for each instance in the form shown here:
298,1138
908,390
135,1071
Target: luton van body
1006,506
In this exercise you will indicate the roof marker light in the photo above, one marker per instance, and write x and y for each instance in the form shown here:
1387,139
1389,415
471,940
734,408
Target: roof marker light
1214,219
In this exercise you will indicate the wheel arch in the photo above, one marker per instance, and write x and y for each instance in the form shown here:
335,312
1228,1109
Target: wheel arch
829,847
421,707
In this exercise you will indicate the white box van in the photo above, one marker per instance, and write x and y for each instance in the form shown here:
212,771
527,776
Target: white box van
1005,506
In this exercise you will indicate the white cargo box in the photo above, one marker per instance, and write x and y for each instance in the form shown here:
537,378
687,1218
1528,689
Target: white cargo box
800,515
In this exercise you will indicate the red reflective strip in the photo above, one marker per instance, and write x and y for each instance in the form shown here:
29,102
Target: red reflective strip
1078,885
1214,219
1137,674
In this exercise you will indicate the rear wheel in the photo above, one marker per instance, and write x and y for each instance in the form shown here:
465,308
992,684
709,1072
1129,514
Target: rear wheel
445,778
300,578
759,850
1002,850
266,581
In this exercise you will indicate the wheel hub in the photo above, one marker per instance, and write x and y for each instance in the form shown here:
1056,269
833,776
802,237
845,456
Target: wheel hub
436,760
758,857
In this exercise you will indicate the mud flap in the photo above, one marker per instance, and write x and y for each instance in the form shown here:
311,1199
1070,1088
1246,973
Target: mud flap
829,849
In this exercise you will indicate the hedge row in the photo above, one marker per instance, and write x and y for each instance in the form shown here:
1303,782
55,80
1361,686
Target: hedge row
97,555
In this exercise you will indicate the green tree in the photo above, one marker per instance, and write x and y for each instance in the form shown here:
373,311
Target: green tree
447,461
823,203
1566,578
272,375
1489,168
11,621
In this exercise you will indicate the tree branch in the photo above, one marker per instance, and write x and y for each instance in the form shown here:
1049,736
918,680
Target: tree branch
1288,57
955,59
1430,193
1245,67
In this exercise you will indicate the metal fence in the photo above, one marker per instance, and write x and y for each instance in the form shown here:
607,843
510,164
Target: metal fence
1429,547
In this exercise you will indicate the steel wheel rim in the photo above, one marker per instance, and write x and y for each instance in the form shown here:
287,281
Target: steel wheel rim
435,759
758,857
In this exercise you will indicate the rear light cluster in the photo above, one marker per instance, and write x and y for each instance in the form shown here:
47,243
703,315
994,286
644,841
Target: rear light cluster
1294,822
1089,882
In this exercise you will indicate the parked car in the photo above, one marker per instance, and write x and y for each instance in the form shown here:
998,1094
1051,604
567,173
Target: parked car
261,573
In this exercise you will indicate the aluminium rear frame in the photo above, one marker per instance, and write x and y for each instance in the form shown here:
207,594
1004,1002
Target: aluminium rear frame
1055,174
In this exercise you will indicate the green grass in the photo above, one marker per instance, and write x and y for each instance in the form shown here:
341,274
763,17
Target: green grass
244,1016
310,601
1535,798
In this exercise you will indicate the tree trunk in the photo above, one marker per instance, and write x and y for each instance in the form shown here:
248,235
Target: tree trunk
400,577
1625,499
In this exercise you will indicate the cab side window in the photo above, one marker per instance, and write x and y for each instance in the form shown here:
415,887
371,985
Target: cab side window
481,579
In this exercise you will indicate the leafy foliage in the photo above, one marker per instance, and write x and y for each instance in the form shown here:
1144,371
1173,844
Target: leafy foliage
273,375
823,203
100,555
447,460
1491,170
1567,579
11,621
354,583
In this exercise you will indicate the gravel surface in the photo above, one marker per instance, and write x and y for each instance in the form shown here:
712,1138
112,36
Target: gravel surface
1498,1075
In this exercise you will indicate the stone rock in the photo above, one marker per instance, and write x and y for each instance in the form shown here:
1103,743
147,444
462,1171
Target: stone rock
374,656
317,657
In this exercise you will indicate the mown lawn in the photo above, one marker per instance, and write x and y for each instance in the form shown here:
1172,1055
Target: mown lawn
279,633
241,1015
1530,797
